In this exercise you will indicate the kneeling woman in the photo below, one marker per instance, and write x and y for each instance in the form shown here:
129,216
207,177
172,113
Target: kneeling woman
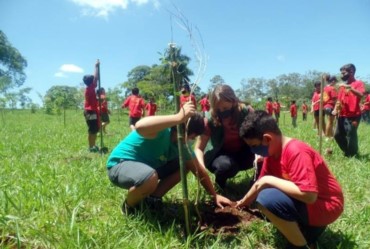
146,162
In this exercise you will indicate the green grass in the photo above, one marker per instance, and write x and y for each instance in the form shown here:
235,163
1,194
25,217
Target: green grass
55,194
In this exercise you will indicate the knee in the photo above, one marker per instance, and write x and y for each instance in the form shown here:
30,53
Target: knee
150,185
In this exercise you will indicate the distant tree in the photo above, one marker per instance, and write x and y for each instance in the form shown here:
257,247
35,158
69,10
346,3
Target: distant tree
12,65
136,75
59,98
216,80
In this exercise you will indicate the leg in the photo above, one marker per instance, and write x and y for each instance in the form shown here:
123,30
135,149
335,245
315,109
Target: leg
285,213
351,126
340,135
224,167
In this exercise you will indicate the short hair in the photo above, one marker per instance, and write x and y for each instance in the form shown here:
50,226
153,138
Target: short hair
100,91
135,91
333,78
317,83
349,68
256,124
195,125
88,79
269,99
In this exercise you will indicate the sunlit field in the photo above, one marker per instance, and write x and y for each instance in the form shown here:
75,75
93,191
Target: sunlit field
56,194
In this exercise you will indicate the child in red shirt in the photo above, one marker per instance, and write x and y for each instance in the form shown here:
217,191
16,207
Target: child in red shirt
151,107
269,106
316,106
366,108
186,96
104,111
204,104
276,106
348,107
304,111
136,105
295,190
329,98
293,113
91,108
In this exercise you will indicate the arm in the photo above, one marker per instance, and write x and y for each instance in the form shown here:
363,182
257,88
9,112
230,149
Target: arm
199,148
202,175
96,75
285,186
149,126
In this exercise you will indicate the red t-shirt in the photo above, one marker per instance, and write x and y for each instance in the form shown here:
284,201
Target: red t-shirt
293,110
303,166
91,103
135,104
330,96
350,103
151,108
367,103
186,98
304,108
276,107
104,106
315,99
204,104
269,107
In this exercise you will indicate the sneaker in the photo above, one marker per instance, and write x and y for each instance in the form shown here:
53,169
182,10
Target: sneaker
94,149
153,202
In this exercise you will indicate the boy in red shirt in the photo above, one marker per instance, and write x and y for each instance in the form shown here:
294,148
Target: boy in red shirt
186,96
104,111
348,107
204,104
366,108
293,113
329,98
304,111
276,106
295,189
151,107
315,103
91,108
136,106
269,106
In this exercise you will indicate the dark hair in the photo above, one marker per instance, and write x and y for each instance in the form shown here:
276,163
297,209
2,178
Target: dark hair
349,68
293,101
100,91
135,91
185,87
256,124
88,79
195,125
317,83
333,78
269,99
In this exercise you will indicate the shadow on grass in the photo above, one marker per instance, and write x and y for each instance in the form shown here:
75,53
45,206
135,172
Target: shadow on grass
330,239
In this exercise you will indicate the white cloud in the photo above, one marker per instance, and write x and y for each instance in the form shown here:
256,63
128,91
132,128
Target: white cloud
60,75
102,8
70,68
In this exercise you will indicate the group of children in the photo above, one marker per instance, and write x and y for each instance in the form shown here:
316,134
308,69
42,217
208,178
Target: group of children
294,187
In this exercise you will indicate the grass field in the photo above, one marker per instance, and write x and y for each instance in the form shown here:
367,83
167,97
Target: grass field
55,194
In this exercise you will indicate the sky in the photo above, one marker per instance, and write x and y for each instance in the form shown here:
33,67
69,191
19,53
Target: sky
238,39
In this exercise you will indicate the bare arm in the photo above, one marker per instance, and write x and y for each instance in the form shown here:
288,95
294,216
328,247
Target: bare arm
149,126
285,186
199,148
96,75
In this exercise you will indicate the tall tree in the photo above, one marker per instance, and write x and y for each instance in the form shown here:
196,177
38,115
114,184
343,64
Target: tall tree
216,80
12,65
59,98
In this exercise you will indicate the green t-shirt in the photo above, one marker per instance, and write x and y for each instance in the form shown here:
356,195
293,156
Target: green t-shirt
154,152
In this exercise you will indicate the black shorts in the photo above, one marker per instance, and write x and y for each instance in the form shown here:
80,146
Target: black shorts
91,118
105,117
328,111
133,120
316,113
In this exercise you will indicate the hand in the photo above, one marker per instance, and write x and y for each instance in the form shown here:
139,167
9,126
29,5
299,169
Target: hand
187,110
222,201
344,85
97,63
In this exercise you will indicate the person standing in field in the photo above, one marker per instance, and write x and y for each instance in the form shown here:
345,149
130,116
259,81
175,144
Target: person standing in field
186,96
348,107
293,113
366,108
304,111
104,112
204,104
146,162
277,106
226,154
91,108
136,105
315,106
295,190
329,100
269,108
151,107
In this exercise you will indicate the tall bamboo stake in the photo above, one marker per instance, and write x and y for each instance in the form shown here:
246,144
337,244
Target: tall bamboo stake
323,81
177,79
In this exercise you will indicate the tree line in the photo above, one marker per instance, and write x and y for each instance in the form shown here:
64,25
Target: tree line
153,81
